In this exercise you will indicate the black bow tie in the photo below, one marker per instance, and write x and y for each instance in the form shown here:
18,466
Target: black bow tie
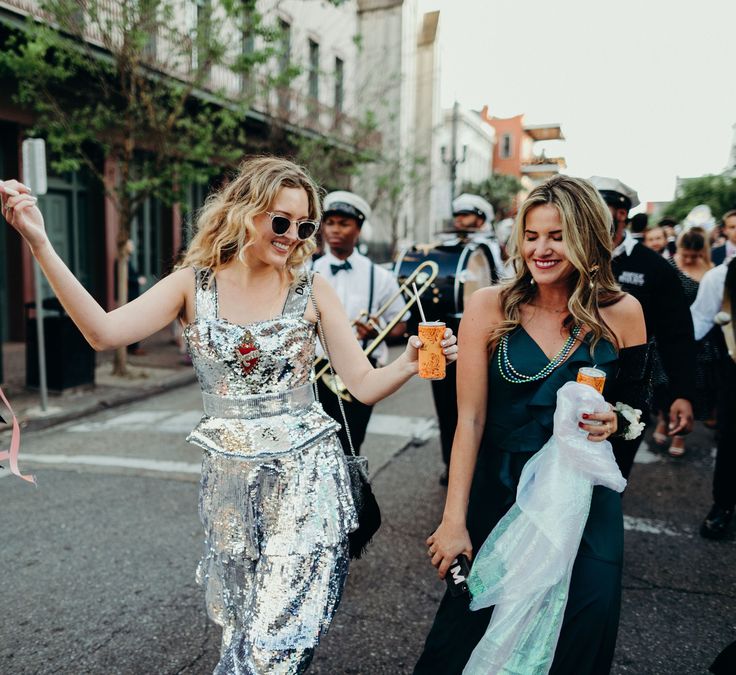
343,266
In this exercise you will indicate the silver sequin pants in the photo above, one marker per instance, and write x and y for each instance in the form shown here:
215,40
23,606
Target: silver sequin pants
275,560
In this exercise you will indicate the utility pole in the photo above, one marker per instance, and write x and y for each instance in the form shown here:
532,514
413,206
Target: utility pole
453,160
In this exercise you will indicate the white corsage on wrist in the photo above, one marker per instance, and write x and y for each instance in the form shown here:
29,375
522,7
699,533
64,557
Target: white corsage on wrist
630,425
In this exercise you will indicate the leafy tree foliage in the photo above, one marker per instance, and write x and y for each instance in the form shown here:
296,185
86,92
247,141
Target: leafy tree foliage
717,191
143,85
500,190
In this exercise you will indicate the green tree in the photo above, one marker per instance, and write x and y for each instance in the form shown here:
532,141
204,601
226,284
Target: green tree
717,191
332,162
500,190
130,82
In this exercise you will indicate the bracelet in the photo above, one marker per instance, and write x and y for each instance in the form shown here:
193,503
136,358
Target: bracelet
629,421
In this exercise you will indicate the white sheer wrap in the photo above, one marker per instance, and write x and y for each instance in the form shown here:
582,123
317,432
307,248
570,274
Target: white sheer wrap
524,566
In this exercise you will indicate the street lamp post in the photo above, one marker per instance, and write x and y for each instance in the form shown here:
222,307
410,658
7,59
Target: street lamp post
453,159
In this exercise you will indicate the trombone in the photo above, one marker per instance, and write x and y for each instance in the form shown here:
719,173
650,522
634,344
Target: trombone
424,275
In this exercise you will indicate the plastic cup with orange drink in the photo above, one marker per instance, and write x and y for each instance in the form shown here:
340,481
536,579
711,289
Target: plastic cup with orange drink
593,377
596,378
432,360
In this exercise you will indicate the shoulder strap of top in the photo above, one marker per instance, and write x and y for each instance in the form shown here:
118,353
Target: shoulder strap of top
205,294
296,300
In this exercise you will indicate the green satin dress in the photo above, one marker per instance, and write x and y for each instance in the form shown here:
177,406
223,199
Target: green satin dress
518,423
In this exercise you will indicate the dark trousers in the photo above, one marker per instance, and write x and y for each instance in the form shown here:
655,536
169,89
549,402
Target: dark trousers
724,476
358,415
444,393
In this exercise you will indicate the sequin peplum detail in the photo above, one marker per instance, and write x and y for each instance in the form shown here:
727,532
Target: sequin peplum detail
264,357
274,497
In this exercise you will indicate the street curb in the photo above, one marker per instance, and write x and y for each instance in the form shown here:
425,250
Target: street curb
113,401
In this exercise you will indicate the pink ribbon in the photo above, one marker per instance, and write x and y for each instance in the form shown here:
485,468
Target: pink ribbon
12,454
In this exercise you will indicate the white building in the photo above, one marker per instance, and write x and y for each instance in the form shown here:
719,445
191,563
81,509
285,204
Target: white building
473,153
321,39
387,87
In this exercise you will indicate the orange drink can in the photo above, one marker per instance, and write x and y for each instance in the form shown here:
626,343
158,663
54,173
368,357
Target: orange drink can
431,359
593,377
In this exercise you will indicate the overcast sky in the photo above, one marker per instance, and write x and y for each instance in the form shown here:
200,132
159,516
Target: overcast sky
645,90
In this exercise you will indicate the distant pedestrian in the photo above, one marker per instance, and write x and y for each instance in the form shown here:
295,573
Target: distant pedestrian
714,305
135,282
692,261
638,225
652,281
670,227
726,251
655,238
275,497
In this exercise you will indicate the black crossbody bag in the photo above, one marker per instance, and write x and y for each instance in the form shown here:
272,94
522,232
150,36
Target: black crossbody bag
366,506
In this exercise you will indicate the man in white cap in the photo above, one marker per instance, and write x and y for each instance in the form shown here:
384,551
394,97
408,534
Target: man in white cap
473,215
654,283
361,286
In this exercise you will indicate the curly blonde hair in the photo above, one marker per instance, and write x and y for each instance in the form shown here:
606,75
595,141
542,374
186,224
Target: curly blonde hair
224,226
587,233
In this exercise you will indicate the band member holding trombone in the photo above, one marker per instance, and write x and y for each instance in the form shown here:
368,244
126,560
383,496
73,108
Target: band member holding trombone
362,287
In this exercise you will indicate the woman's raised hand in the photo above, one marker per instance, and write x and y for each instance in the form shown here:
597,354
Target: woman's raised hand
20,209
449,347
447,543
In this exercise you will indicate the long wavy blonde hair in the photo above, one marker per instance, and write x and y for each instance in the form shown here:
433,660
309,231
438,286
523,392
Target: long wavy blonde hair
586,232
224,226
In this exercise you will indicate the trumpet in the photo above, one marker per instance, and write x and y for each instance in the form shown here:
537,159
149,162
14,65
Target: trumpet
423,275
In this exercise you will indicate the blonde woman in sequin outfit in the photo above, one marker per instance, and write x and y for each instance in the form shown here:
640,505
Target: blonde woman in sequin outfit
274,497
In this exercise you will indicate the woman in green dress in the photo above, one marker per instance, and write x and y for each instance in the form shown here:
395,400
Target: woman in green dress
561,310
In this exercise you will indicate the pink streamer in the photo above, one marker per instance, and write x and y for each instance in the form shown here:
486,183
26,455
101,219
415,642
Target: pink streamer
12,454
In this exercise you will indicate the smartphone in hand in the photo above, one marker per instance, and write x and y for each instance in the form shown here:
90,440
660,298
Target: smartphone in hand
457,576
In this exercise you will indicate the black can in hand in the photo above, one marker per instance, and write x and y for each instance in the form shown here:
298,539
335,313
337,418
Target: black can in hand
457,576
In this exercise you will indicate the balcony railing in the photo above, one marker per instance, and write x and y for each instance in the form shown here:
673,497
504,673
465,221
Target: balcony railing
285,105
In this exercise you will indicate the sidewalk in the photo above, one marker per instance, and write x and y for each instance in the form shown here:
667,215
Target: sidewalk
160,369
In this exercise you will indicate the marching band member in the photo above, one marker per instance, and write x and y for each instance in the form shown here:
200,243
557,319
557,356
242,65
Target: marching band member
472,217
654,283
361,285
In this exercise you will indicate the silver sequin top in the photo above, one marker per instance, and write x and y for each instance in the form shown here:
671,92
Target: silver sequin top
264,357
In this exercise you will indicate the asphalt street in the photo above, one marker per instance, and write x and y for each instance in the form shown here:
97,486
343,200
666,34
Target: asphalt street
98,561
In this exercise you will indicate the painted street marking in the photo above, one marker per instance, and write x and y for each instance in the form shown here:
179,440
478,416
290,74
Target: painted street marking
646,456
132,420
648,526
118,462
419,429
181,423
